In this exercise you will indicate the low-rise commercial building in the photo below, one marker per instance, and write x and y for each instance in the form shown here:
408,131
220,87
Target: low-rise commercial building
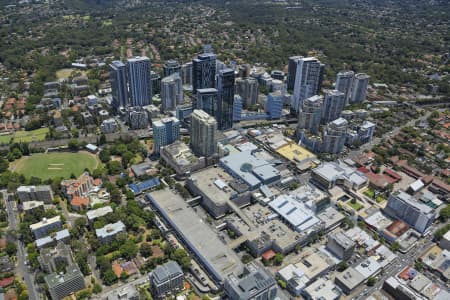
340,245
250,169
295,213
445,241
217,259
416,214
166,279
410,284
217,188
61,285
255,283
330,174
32,207
37,193
97,213
321,289
438,260
349,280
107,233
52,240
52,259
181,159
43,227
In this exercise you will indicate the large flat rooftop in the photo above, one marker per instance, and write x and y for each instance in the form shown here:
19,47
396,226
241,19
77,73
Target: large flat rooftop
215,183
262,218
295,153
250,169
214,256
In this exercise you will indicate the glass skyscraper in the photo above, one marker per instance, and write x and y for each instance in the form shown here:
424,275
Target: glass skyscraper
119,87
225,87
139,80
204,71
308,80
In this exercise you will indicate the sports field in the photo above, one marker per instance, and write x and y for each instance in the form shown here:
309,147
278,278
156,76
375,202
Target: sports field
56,164
25,136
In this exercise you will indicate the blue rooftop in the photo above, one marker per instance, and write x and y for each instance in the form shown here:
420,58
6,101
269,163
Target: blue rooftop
144,186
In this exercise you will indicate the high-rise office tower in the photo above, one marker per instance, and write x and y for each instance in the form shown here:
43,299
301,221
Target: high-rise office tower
165,132
237,108
274,105
137,117
171,92
247,88
170,67
119,87
310,114
244,71
203,133
186,73
206,100
334,136
333,104
204,71
156,82
308,80
225,87
220,65
359,91
292,71
344,83
139,81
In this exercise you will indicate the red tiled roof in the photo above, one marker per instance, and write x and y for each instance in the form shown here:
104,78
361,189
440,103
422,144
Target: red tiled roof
405,274
6,281
363,170
392,174
268,255
79,201
441,185
117,269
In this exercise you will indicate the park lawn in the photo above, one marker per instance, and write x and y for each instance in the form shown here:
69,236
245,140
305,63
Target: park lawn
65,73
30,136
356,206
5,139
370,193
380,199
56,164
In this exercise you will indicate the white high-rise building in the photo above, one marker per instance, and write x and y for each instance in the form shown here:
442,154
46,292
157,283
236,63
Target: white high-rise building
139,80
344,83
333,104
203,133
334,136
359,91
171,92
310,114
308,80
165,132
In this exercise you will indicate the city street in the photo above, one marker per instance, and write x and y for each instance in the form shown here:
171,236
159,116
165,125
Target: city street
403,260
22,268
